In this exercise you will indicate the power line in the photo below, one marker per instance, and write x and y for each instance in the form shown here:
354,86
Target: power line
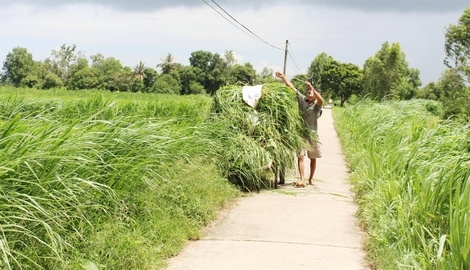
293,60
228,20
290,53
259,38
250,33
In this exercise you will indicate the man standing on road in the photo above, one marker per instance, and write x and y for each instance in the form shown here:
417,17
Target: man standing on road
309,106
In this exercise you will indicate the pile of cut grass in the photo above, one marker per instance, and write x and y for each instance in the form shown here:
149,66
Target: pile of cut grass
271,132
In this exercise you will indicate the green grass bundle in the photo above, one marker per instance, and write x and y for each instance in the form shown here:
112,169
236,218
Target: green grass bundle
271,132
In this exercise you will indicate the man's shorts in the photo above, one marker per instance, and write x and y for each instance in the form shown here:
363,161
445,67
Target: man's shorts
313,151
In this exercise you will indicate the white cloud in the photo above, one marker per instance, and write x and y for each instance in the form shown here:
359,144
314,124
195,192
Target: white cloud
345,34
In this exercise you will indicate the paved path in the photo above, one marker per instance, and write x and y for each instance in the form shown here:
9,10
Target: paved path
289,228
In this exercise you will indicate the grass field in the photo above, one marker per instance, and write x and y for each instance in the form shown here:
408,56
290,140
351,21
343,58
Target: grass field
101,180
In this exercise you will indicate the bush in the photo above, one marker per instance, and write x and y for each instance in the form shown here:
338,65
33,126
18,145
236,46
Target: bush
52,81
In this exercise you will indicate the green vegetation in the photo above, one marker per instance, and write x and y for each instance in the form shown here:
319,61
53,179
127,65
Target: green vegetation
119,181
272,132
384,76
411,174
122,180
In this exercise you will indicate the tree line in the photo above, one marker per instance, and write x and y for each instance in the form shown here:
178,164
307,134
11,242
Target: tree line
386,75
67,67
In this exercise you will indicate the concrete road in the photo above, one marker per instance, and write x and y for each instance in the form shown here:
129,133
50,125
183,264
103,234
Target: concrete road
314,227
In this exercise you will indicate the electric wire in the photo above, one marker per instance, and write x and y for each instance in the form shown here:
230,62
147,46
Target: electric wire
291,55
227,19
293,60
251,32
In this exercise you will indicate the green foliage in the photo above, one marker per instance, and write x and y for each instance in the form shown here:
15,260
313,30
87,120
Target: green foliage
254,138
62,59
121,180
457,45
18,65
52,81
242,74
168,64
114,181
335,80
411,175
341,80
83,79
196,88
30,81
430,91
266,76
318,65
166,84
213,69
387,74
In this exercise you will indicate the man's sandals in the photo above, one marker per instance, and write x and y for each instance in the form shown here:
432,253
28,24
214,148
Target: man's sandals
299,184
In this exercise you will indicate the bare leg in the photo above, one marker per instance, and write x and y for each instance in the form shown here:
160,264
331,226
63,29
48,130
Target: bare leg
300,164
313,166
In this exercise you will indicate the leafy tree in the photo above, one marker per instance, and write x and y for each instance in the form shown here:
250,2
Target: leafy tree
242,74
150,76
139,76
341,80
266,75
196,88
229,58
316,68
123,81
373,84
431,91
189,76
166,84
83,79
81,76
456,94
214,70
62,59
457,45
18,65
52,81
454,82
388,74
110,73
139,71
31,81
97,60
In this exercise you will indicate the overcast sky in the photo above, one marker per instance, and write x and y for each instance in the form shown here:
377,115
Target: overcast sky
147,30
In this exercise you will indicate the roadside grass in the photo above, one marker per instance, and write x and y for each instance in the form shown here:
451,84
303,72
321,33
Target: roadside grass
100,180
410,172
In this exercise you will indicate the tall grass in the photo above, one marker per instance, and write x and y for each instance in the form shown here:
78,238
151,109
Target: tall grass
92,179
411,175
99,182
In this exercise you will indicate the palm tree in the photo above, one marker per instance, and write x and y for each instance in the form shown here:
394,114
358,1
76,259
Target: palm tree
139,71
168,64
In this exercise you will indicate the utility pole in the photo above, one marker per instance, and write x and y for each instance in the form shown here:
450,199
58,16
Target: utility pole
285,57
